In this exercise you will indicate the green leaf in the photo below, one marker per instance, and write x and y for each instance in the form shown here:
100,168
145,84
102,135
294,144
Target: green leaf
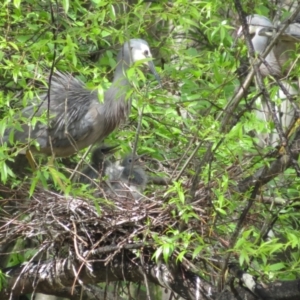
158,253
17,3
277,267
66,5
167,251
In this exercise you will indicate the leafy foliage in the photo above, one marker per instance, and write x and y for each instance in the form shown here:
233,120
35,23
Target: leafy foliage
181,123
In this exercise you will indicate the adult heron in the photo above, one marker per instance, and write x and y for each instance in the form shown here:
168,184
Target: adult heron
261,29
286,46
256,25
77,118
277,64
285,113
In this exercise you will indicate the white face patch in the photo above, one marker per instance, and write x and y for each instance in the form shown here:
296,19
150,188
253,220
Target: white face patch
256,23
252,29
140,53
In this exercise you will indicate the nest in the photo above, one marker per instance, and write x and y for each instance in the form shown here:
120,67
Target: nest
79,227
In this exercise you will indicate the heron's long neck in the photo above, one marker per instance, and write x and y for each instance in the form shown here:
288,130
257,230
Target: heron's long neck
116,102
259,43
120,85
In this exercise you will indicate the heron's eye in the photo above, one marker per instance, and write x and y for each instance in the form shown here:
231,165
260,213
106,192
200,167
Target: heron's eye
146,52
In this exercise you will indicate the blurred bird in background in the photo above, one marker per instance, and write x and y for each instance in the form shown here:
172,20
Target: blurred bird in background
278,64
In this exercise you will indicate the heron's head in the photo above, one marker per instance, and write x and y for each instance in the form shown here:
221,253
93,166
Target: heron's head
102,151
133,170
256,23
131,159
137,49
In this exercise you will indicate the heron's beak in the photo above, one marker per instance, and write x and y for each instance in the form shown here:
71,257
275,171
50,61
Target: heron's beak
138,161
109,149
153,71
266,31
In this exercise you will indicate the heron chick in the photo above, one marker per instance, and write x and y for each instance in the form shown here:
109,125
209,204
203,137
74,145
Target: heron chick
125,180
98,165
76,117
131,180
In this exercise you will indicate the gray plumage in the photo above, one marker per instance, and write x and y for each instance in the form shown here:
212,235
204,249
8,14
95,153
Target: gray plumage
77,118
125,180
279,64
285,114
256,24
261,28
131,180
133,173
286,46
99,163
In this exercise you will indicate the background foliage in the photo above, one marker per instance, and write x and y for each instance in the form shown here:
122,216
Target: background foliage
192,43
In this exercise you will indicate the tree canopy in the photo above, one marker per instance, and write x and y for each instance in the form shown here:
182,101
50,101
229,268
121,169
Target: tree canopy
219,217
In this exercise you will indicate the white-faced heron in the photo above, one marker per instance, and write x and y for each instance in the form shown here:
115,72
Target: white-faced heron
286,46
261,29
285,114
278,59
257,24
77,118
